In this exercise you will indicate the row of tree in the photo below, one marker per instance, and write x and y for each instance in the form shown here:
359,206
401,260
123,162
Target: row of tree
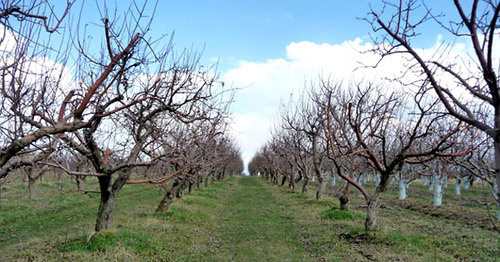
439,118
125,107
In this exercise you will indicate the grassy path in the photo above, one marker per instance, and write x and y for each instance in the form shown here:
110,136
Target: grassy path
257,225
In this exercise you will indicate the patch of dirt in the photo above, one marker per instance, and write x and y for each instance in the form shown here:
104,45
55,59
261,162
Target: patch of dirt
356,238
455,213
361,243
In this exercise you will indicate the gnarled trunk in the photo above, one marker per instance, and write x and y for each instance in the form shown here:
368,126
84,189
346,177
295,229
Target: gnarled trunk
109,193
169,197
372,211
106,205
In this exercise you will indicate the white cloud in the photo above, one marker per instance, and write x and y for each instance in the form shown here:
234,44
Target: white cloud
265,85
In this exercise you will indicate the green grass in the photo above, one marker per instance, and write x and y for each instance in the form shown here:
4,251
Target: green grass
336,213
238,219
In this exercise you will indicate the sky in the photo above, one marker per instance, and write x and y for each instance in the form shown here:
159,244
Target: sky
262,48
269,50
272,49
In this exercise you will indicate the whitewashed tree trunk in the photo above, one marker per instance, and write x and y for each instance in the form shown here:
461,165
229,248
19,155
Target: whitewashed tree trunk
402,189
438,192
457,186
466,183
445,184
333,179
424,180
495,195
377,180
431,183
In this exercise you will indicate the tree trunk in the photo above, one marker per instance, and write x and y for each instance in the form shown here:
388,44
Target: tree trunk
466,183
344,202
79,183
168,198
304,186
438,192
109,193
190,186
106,206
321,188
402,189
372,211
291,182
344,198
457,186
497,159
283,180
31,187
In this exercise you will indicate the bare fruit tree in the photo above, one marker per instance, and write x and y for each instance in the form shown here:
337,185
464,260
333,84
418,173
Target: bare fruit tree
31,107
467,84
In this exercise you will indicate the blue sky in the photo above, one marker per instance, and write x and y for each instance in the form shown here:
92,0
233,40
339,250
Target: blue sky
259,30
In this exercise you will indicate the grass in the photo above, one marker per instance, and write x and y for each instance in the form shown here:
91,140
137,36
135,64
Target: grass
238,219
335,213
